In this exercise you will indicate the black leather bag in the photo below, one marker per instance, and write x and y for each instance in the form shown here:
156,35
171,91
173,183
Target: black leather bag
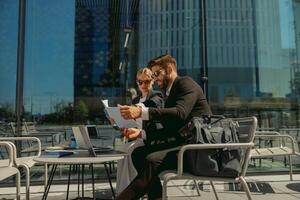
212,162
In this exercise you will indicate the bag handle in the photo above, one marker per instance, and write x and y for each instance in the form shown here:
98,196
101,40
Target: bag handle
207,118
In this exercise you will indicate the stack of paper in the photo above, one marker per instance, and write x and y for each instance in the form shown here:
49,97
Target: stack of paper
114,113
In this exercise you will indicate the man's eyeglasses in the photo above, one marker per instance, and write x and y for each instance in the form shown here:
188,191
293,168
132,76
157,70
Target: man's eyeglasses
156,73
140,82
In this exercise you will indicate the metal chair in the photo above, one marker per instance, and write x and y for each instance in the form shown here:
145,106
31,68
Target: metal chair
8,167
26,162
279,148
54,135
28,129
247,127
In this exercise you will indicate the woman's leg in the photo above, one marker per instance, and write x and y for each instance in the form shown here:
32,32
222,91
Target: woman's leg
125,169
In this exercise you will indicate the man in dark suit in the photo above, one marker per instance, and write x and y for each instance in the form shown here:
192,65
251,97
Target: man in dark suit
184,99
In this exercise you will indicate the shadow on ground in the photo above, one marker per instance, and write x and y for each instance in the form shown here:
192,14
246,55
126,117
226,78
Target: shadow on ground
294,186
260,187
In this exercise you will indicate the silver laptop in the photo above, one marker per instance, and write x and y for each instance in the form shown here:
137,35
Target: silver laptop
83,141
79,138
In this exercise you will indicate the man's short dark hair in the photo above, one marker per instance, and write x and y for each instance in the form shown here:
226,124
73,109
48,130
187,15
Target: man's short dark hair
162,61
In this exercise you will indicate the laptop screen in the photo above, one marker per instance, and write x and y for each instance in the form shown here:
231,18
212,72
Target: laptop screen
87,140
81,134
92,130
79,138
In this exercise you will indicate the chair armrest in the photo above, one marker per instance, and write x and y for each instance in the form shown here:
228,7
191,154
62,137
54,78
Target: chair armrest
46,133
10,150
25,139
291,139
208,146
266,133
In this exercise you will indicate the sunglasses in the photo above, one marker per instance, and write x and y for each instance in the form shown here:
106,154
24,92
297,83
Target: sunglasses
140,82
156,73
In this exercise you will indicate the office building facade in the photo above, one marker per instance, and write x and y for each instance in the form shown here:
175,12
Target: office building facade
249,44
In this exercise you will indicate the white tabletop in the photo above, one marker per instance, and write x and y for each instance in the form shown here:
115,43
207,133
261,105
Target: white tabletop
79,158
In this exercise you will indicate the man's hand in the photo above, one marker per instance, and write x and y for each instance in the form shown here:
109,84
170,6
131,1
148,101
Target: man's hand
130,112
131,133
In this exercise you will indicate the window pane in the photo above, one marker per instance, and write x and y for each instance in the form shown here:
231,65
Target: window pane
8,58
80,51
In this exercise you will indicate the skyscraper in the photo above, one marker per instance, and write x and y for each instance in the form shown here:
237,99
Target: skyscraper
171,27
96,52
174,27
232,50
99,40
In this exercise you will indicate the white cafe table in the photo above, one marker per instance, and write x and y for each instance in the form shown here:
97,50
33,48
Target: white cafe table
79,158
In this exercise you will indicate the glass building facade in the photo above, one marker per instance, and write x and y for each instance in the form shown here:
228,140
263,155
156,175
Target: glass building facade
75,55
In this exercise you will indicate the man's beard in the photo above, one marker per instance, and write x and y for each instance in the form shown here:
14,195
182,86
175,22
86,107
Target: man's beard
165,82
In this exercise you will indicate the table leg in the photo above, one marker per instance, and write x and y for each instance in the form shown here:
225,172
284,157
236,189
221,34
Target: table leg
108,176
47,188
93,181
82,181
68,187
78,180
45,175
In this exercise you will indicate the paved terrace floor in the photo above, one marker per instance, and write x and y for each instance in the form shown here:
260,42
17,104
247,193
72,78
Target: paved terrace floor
270,187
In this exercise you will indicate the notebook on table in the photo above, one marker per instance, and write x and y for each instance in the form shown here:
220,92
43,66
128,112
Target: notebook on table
57,153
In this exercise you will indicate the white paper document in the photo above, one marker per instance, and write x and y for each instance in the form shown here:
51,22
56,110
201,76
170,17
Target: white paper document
105,103
114,113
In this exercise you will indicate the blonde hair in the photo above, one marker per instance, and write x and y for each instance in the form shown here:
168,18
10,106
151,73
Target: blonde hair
145,71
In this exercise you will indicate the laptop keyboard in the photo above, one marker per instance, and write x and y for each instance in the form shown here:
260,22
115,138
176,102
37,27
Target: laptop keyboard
102,149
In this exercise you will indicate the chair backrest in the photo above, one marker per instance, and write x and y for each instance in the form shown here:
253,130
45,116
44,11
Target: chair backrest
30,127
12,127
7,153
246,130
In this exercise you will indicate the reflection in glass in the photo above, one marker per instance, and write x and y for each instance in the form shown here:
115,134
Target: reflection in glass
8,58
74,49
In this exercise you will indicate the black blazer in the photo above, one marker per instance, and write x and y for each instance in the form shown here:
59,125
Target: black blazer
153,99
186,100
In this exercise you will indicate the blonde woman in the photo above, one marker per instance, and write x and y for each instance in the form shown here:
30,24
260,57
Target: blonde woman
150,98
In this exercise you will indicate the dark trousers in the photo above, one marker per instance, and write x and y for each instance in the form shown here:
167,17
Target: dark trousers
149,161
